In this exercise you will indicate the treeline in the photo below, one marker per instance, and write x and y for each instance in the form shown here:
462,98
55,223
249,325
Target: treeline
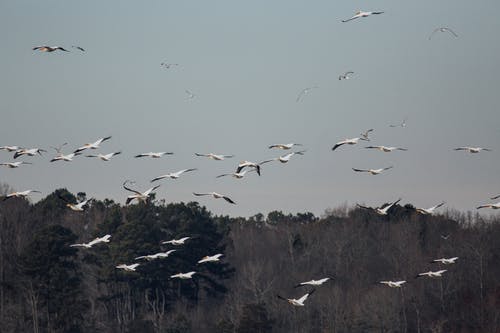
48,286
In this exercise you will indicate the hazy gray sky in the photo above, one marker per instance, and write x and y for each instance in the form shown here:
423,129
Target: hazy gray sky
247,61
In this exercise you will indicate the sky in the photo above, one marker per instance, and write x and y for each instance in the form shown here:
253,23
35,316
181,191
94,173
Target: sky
246,62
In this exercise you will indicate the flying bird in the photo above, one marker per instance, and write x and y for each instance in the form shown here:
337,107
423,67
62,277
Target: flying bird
61,157
213,258
172,175
445,237
313,282
190,94
103,239
345,76
66,158
492,206
168,65
284,146
140,196
287,157
94,145
153,155
128,268
19,194
443,29
373,171
401,124
214,156
382,210
45,48
256,166
473,150
297,302
361,14
179,241
446,261
183,276
393,284
10,148
237,175
216,196
495,197
105,157
78,48
430,210
78,207
365,134
386,149
432,274
29,152
13,165
159,255
304,92
352,141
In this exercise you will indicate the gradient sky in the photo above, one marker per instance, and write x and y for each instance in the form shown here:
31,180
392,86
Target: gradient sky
247,61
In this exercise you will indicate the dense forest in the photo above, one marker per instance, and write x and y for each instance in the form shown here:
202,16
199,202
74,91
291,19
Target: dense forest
48,286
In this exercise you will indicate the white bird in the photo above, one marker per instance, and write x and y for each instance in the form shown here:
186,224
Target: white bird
304,92
159,255
105,157
213,258
430,210
79,206
432,274
442,29
361,14
393,284
183,276
66,158
386,149
492,206
172,175
190,94
168,65
179,241
237,175
284,146
373,171
382,210
128,268
93,145
140,196
256,166
29,152
445,237
446,261
214,156
216,196
402,124
13,165
103,239
473,150
297,302
19,194
352,141
313,282
10,148
345,76
153,155
45,48
365,134
287,157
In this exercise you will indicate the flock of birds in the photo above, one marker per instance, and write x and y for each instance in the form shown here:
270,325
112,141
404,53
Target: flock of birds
241,170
